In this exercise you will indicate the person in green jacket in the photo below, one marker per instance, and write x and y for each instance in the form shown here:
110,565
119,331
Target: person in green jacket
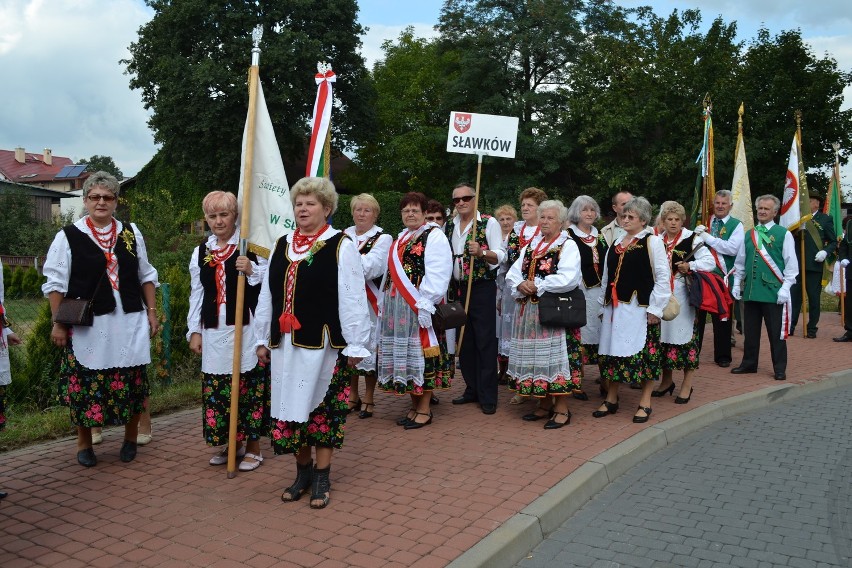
815,255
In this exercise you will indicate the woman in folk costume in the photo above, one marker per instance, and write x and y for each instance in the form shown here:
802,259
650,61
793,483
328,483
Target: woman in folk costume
636,291
313,315
7,338
679,337
540,365
413,357
213,272
582,214
507,217
525,232
103,373
373,244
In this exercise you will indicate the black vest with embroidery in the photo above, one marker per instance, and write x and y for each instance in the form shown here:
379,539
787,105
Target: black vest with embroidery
481,270
315,302
207,275
681,250
368,246
545,265
591,277
413,259
88,264
636,276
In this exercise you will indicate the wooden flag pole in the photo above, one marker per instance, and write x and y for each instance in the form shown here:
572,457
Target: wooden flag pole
254,72
802,186
471,235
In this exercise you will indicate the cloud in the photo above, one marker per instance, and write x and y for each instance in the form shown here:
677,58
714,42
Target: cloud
70,92
377,34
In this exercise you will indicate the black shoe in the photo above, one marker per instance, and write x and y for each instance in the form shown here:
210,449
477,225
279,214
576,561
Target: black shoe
664,392
723,364
414,425
435,399
128,451
679,400
742,370
366,410
642,419
811,335
489,408
3,494
552,424
780,376
579,394
304,479
405,419
846,337
533,417
87,458
611,408
463,400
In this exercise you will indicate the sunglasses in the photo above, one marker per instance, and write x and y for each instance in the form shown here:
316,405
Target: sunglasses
434,218
464,198
104,198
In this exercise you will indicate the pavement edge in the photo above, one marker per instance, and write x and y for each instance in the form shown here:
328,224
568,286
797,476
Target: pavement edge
505,546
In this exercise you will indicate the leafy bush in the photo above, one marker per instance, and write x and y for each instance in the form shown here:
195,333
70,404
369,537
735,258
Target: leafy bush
35,375
31,282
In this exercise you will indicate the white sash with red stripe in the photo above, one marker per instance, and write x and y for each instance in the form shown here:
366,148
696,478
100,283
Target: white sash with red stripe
773,268
411,295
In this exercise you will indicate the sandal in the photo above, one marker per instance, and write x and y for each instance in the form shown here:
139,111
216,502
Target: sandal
250,466
642,419
406,419
302,483
533,416
552,424
355,405
413,424
320,488
366,410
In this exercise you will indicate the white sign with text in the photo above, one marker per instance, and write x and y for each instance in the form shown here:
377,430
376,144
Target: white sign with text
486,134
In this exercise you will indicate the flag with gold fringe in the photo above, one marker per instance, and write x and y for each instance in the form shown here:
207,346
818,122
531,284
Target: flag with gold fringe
702,209
740,188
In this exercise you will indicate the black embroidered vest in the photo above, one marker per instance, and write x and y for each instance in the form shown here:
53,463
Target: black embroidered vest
681,250
315,302
636,276
413,259
209,308
481,270
591,277
88,264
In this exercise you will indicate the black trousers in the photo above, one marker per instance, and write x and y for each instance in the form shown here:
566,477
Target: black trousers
847,303
478,355
721,335
813,287
770,314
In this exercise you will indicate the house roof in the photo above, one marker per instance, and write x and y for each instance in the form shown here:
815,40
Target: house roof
33,170
8,187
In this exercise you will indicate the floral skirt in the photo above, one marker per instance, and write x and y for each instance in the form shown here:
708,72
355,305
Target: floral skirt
635,369
253,410
325,425
101,397
545,360
684,356
2,407
590,353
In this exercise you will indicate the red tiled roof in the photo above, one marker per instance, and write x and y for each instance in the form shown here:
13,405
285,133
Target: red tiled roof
33,170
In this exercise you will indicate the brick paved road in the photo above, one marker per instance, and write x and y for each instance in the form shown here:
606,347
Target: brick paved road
771,488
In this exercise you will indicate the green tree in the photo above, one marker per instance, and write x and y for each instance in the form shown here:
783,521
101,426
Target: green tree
21,233
190,63
98,163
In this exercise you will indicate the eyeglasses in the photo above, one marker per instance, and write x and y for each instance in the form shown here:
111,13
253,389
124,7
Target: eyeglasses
411,211
463,198
434,218
104,198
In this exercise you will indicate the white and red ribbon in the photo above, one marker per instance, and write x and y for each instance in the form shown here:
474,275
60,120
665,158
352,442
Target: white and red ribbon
411,295
321,119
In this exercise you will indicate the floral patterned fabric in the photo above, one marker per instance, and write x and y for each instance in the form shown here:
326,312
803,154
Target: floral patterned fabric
684,356
590,353
101,397
325,425
253,412
481,270
646,365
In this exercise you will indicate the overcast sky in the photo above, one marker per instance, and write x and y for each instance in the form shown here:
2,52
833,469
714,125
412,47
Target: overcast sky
63,88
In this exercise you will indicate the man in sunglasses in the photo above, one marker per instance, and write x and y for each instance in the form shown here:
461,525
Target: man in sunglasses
476,255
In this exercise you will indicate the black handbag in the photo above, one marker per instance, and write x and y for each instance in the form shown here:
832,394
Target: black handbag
448,316
565,309
78,311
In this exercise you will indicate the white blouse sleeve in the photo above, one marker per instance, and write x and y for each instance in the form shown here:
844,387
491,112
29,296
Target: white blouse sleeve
438,260
258,270
57,265
352,301
567,275
263,312
196,296
147,273
703,260
494,237
375,262
514,276
662,275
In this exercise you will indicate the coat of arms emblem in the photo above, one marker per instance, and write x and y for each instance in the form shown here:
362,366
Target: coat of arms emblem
461,122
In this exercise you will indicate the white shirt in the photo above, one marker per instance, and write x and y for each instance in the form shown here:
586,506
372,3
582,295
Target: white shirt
729,247
375,262
493,236
115,339
567,275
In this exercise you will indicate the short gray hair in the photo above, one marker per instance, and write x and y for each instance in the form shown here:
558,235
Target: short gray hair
321,187
579,205
641,207
725,193
561,210
768,197
103,180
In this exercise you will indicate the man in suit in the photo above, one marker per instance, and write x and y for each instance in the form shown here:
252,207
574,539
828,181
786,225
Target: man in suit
612,231
812,265
844,255
725,239
764,271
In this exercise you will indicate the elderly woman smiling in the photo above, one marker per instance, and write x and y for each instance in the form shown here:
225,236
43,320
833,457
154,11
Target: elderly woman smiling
313,315
102,377
539,364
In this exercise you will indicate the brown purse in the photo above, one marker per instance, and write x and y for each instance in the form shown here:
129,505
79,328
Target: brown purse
448,316
78,311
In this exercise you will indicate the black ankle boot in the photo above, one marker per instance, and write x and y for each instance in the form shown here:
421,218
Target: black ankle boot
302,483
320,488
